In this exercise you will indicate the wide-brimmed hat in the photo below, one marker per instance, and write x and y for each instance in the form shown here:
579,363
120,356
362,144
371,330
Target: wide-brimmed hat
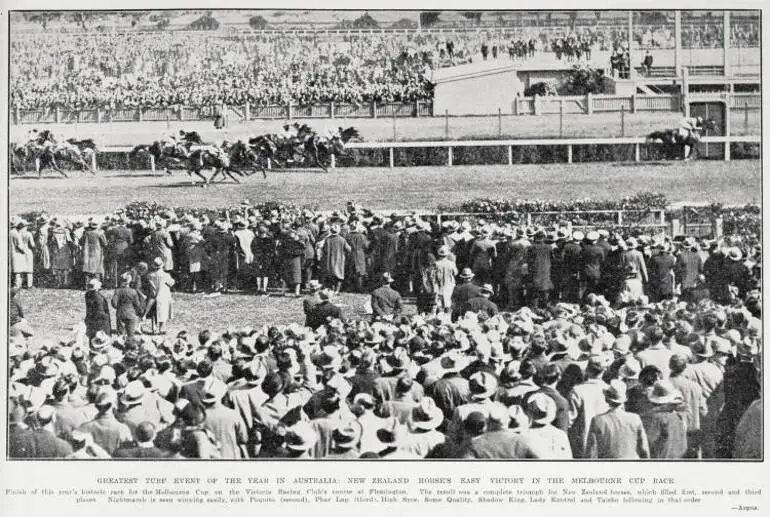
100,341
426,416
213,391
347,436
157,263
94,284
592,236
487,288
466,274
443,251
390,432
578,235
735,254
482,385
630,368
664,392
541,408
314,285
616,392
301,437
519,419
47,367
387,278
133,394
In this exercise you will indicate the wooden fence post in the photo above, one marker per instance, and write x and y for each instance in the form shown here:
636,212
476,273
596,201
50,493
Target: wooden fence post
633,103
637,152
620,217
446,124
374,109
510,155
247,111
17,117
390,157
288,111
590,103
57,118
449,157
331,109
534,104
417,109
152,163
334,161
93,161
569,153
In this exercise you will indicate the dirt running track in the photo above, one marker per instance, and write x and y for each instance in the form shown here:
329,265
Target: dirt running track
425,188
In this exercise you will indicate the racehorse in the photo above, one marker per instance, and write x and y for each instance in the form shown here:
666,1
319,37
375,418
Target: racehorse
678,145
215,157
165,156
244,157
321,149
51,156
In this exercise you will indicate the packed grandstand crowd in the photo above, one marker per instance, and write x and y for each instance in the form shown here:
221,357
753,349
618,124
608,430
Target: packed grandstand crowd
526,342
172,68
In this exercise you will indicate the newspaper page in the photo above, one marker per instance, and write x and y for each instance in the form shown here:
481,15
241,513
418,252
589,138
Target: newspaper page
383,259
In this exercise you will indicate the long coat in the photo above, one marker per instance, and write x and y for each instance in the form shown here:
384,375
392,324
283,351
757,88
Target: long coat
93,244
97,314
388,260
617,435
22,244
334,253
160,245
539,257
196,251
60,249
159,285
41,246
358,244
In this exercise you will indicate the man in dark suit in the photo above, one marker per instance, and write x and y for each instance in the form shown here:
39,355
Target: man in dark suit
688,266
592,258
539,258
481,303
192,390
464,291
547,378
144,449
320,314
660,266
385,300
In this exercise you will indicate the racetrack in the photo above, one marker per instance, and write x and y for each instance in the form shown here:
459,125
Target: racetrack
414,188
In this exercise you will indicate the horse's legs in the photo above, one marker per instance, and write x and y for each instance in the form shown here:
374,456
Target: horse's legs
227,171
38,168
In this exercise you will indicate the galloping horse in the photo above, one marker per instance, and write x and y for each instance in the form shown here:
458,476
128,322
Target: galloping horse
321,149
679,145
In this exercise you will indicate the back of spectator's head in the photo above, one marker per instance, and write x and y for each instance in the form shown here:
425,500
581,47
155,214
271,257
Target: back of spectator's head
649,375
273,384
548,375
215,351
261,344
475,423
595,367
331,403
204,337
61,389
527,369
145,432
204,368
655,334
404,384
677,364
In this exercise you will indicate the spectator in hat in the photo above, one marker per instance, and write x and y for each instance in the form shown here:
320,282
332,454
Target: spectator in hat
42,442
709,376
386,301
291,253
741,387
541,410
333,258
451,390
60,249
515,269
694,401
422,435
108,433
547,379
539,260
500,442
586,400
665,422
119,240
22,246
356,263
92,244
323,312
68,417
483,253
656,354
592,257
345,442
128,307
638,394
139,405
312,299
482,386
300,441
661,267
616,434
263,247
17,324
482,302
145,449
84,448
446,271
400,407
159,302
464,291
222,422
160,244
196,441
97,310
688,267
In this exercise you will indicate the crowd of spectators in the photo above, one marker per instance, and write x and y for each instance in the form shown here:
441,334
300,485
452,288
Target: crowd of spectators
171,68
527,342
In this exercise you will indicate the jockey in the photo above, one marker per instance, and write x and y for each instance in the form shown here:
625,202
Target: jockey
289,132
690,124
332,132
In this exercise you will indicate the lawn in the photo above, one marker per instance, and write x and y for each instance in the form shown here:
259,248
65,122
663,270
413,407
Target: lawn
54,312
387,129
416,188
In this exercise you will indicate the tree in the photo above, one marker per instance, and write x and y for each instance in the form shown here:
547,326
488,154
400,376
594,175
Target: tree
429,18
404,23
43,18
257,23
204,23
583,79
82,18
474,16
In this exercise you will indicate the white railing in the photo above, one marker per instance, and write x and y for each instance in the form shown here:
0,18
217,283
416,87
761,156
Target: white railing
568,143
